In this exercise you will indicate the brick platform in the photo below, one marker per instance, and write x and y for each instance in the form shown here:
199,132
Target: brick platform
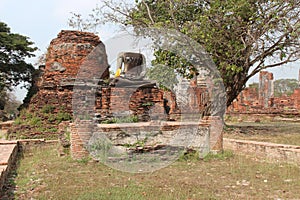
8,154
266,150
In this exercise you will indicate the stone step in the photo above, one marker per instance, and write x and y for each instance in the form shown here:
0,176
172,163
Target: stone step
267,150
8,153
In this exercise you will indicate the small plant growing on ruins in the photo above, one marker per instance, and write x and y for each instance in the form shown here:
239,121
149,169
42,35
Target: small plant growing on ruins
189,155
51,118
109,121
138,143
53,130
99,148
146,104
63,116
48,109
35,121
127,119
18,121
84,160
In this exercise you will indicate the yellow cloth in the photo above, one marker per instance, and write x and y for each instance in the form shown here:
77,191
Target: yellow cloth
118,72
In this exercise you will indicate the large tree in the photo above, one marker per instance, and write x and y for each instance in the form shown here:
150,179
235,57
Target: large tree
14,48
243,37
285,87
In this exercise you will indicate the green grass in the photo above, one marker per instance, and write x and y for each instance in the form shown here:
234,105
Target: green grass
127,119
42,174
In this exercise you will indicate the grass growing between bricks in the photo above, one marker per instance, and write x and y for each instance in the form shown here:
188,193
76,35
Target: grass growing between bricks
42,174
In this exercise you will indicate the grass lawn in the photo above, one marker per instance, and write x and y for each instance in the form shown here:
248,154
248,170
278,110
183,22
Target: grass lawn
42,174
276,132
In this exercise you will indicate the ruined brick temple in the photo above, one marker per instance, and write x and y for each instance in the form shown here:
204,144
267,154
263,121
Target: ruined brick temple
66,54
76,80
262,100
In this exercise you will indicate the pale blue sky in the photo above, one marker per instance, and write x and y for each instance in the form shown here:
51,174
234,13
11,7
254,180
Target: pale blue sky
41,21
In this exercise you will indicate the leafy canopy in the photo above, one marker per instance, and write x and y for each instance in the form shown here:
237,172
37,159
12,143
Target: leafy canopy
285,87
14,48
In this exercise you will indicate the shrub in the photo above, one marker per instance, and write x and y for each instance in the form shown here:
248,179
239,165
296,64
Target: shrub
63,116
48,109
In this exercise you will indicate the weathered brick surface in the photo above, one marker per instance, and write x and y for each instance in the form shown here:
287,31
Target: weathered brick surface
68,54
270,151
191,135
8,154
80,135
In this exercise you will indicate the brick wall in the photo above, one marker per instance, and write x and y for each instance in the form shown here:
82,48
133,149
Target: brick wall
263,101
194,135
66,55
270,151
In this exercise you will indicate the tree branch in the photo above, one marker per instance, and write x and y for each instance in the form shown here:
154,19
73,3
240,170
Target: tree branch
148,12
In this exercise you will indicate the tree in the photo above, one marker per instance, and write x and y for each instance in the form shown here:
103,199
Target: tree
14,48
285,86
243,37
165,77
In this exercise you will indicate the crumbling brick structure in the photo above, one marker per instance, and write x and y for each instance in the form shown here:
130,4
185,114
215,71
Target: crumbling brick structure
266,89
262,100
65,56
72,60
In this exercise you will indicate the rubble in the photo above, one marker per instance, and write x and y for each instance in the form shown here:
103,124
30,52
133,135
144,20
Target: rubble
263,101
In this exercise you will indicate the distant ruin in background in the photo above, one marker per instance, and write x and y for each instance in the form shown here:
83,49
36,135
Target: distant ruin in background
263,100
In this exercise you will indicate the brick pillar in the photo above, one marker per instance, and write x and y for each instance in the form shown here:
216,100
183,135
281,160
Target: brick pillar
216,133
81,132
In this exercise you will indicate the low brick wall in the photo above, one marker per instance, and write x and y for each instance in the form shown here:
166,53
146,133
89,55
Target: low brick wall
8,155
6,125
270,151
80,134
194,135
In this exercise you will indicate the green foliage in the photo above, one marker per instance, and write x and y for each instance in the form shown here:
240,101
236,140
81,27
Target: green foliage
63,116
127,119
254,85
84,160
148,104
285,86
48,109
8,105
190,155
163,75
35,121
138,143
18,121
14,49
45,122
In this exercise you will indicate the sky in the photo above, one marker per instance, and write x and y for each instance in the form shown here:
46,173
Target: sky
42,20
